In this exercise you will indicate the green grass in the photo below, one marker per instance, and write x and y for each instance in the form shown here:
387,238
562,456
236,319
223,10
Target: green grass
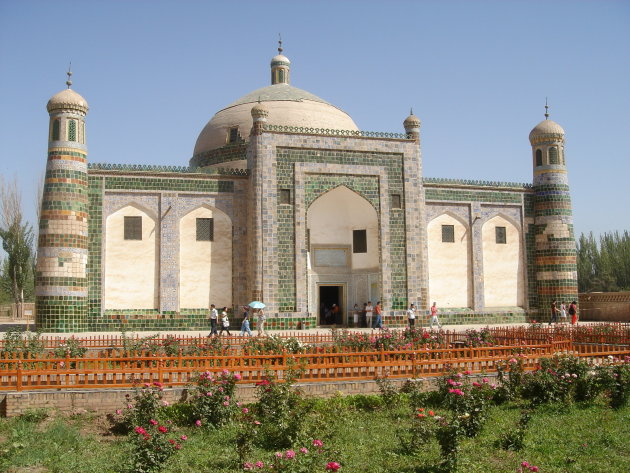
365,434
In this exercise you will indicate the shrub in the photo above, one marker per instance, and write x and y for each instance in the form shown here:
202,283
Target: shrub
279,409
515,438
553,381
19,343
510,374
479,338
212,398
71,348
152,447
142,407
469,401
274,344
616,381
298,460
422,430
387,389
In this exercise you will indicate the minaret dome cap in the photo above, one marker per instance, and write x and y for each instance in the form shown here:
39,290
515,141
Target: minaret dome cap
67,99
546,127
280,60
411,121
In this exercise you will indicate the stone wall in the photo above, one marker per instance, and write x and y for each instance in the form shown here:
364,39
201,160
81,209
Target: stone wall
605,306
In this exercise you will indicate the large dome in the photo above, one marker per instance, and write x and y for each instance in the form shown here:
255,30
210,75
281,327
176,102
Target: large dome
287,105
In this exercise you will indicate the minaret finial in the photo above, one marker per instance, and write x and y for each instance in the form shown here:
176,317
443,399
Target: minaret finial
69,74
411,111
546,110
279,43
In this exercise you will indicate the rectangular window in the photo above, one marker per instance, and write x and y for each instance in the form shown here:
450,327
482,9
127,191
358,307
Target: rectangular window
205,229
285,196
396,201
501,235
233,136
133,228
359,241
72,130
448,233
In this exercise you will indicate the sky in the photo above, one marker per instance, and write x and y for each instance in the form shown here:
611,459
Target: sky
475,72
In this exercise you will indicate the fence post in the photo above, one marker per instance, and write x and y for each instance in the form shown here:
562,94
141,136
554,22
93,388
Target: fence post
160,369
19,375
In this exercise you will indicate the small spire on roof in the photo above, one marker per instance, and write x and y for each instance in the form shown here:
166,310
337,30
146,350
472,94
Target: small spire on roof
279,43
411,111
546,110
69,74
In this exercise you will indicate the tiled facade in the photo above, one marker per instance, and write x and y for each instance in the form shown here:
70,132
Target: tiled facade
269,237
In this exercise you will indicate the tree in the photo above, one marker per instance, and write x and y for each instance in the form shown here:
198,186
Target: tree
604,267
17,240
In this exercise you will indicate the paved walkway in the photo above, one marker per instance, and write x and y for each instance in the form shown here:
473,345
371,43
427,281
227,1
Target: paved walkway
4,326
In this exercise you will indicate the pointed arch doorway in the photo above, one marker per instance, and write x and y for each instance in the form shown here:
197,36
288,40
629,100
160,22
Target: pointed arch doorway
343,247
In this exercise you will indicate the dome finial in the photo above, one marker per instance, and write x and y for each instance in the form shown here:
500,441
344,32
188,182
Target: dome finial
279,43
69,74
411,111
546,110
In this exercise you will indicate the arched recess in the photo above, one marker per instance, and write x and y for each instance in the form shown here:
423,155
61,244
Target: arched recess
502,264
131,265
450,271
205,266
338,254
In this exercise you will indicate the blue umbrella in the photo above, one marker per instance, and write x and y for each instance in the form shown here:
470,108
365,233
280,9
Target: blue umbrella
256,305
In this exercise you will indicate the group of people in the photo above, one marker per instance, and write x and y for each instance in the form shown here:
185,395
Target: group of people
563,310
225,321
370,316
411,316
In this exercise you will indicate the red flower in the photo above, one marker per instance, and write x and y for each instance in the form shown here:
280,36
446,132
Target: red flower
162,429
263,382
333,466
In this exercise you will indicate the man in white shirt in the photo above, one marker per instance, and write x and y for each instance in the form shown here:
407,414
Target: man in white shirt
214,316
368,314
411,315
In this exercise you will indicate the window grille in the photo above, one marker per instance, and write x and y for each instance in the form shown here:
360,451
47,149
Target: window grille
448,233
55,130
205,229
72,130
501,236
133,228
553,155
233,136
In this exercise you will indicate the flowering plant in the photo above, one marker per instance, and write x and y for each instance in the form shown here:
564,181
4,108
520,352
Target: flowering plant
71,348
144,405
279,409
305,459
152,446
479,338
212,398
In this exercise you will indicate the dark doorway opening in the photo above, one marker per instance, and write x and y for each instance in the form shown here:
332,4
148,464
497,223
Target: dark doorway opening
330,305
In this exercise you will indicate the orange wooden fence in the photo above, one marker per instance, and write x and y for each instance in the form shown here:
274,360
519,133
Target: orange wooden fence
610,333
120,371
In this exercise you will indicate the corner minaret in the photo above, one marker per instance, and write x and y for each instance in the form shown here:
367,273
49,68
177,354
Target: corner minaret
555,248
62,249
280,67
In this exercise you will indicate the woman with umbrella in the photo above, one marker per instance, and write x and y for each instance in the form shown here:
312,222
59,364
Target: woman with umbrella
260,322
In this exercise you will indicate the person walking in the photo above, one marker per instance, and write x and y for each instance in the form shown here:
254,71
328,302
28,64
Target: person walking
434,317
260,323
378,321
355,315
368,314
411,316
554,312
245,324
563,313
225,324
214,317
573,313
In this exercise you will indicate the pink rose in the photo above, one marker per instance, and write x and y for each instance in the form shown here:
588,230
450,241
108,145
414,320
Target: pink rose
184,438
485,380
279,455
259,464
226,403
248,466
333,466
318,443
118,412
140,430
245,410
162,429
153,422
198,423
237,376
290,454
304,450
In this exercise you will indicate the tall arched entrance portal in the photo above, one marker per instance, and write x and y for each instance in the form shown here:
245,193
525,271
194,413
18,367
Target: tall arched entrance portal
343,255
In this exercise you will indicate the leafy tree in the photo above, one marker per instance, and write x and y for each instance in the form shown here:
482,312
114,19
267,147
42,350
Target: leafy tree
605,266
17,241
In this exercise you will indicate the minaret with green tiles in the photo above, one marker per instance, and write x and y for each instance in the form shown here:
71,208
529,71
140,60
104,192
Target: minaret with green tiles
555,248
62,251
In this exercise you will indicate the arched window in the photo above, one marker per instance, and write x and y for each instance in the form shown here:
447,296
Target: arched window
72,130
553,155
281,76
55,130
538,157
